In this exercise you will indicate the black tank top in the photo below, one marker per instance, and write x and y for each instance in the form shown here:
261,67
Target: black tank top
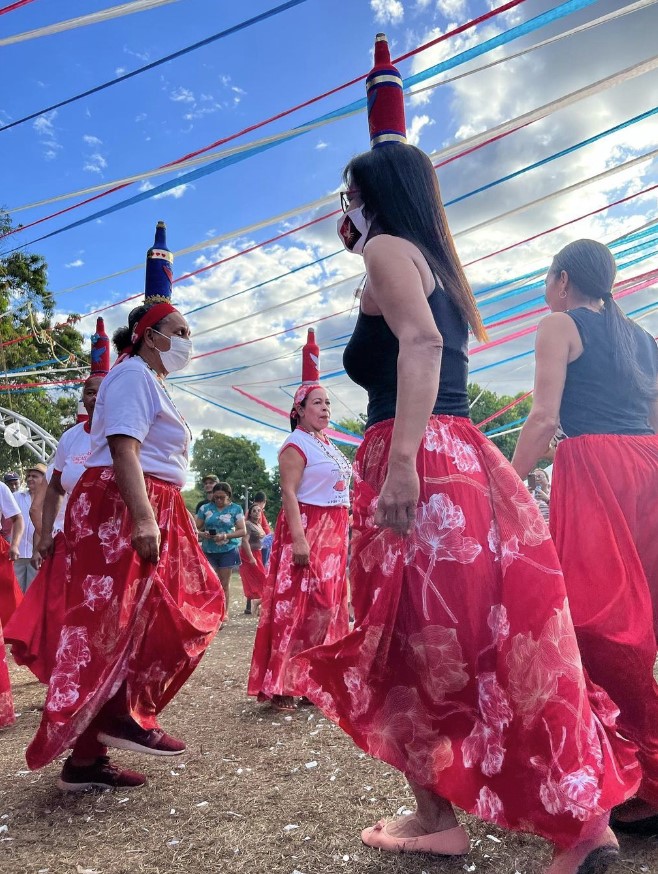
596,397
371,361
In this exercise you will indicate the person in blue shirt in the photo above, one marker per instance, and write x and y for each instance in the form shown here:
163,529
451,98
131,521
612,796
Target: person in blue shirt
222,527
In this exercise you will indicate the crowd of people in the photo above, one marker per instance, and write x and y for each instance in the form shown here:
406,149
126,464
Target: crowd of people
502,664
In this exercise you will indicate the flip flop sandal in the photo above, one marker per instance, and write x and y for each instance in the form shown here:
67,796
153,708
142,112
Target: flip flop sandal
283,708
451,842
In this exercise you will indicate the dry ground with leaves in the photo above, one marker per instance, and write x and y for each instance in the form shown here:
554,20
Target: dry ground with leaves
256,793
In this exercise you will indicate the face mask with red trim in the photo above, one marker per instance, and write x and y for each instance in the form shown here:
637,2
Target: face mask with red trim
353,229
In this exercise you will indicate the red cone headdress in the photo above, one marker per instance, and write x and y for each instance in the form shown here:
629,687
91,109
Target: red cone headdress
385,98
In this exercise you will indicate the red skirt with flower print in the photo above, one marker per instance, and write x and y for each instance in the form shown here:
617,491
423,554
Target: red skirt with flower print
462,670
126,621
604,520
33,631
303,605
10,592
253,576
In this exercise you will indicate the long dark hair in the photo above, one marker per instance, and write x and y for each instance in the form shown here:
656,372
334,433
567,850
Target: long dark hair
591,268
400,190
122,336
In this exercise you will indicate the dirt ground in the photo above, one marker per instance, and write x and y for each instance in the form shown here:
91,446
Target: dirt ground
255,792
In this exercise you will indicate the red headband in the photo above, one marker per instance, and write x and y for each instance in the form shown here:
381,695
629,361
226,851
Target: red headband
151,317
301,394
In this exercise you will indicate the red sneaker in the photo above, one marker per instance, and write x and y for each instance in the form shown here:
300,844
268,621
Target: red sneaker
127,735
101,775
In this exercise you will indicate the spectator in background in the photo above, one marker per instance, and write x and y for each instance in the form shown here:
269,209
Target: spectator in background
208,483
10,593
12,480
35,478
222,527
540,487
252,571
260,500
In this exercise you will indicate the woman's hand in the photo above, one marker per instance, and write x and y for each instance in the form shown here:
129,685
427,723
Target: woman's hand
252,560
146,539
36,561
46,544
300,551
398,500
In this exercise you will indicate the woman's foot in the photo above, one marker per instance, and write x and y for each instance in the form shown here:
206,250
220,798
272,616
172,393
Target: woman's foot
283,703
126,734
593,856
101,774
408,834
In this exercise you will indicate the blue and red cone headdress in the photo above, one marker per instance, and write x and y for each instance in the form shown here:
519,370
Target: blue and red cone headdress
386,119
159,269
100,350
100,362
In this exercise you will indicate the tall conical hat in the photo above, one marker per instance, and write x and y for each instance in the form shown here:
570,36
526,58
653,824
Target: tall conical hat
310,370
386,119
159,269
100,350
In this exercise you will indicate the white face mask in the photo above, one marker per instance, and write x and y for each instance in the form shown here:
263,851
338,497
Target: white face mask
353,229
179,354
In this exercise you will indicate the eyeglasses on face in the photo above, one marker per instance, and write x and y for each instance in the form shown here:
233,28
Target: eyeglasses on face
345,197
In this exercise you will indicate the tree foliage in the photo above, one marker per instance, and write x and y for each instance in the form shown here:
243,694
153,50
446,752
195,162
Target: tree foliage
485,403
29,307
235,460
358,426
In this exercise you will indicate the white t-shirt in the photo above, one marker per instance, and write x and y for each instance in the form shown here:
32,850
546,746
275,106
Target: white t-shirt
8,505
132,401
24,502
326,478
73,450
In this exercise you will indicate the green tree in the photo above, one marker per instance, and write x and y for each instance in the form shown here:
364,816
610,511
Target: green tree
358,426
28,337
235,460
485,403
274,497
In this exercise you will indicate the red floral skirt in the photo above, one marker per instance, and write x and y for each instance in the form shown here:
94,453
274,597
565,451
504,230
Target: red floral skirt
34,629
303,605
253,576
463,670
127,621
604,520
10,592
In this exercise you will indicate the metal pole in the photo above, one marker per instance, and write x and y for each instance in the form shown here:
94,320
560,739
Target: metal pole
246,499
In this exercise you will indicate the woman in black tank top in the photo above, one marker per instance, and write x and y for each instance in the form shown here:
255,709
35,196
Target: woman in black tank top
597,377
456,673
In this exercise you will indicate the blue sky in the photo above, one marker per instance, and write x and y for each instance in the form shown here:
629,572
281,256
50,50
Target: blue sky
216,91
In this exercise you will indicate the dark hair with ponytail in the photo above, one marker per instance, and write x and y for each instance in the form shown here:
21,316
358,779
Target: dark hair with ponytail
591,268
400,191
122,336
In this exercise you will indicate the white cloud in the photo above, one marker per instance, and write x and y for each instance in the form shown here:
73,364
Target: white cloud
418,122
45,129
176,192
77,263
387,11
120,71
95,163
321,145
182,95
452,9
91,140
